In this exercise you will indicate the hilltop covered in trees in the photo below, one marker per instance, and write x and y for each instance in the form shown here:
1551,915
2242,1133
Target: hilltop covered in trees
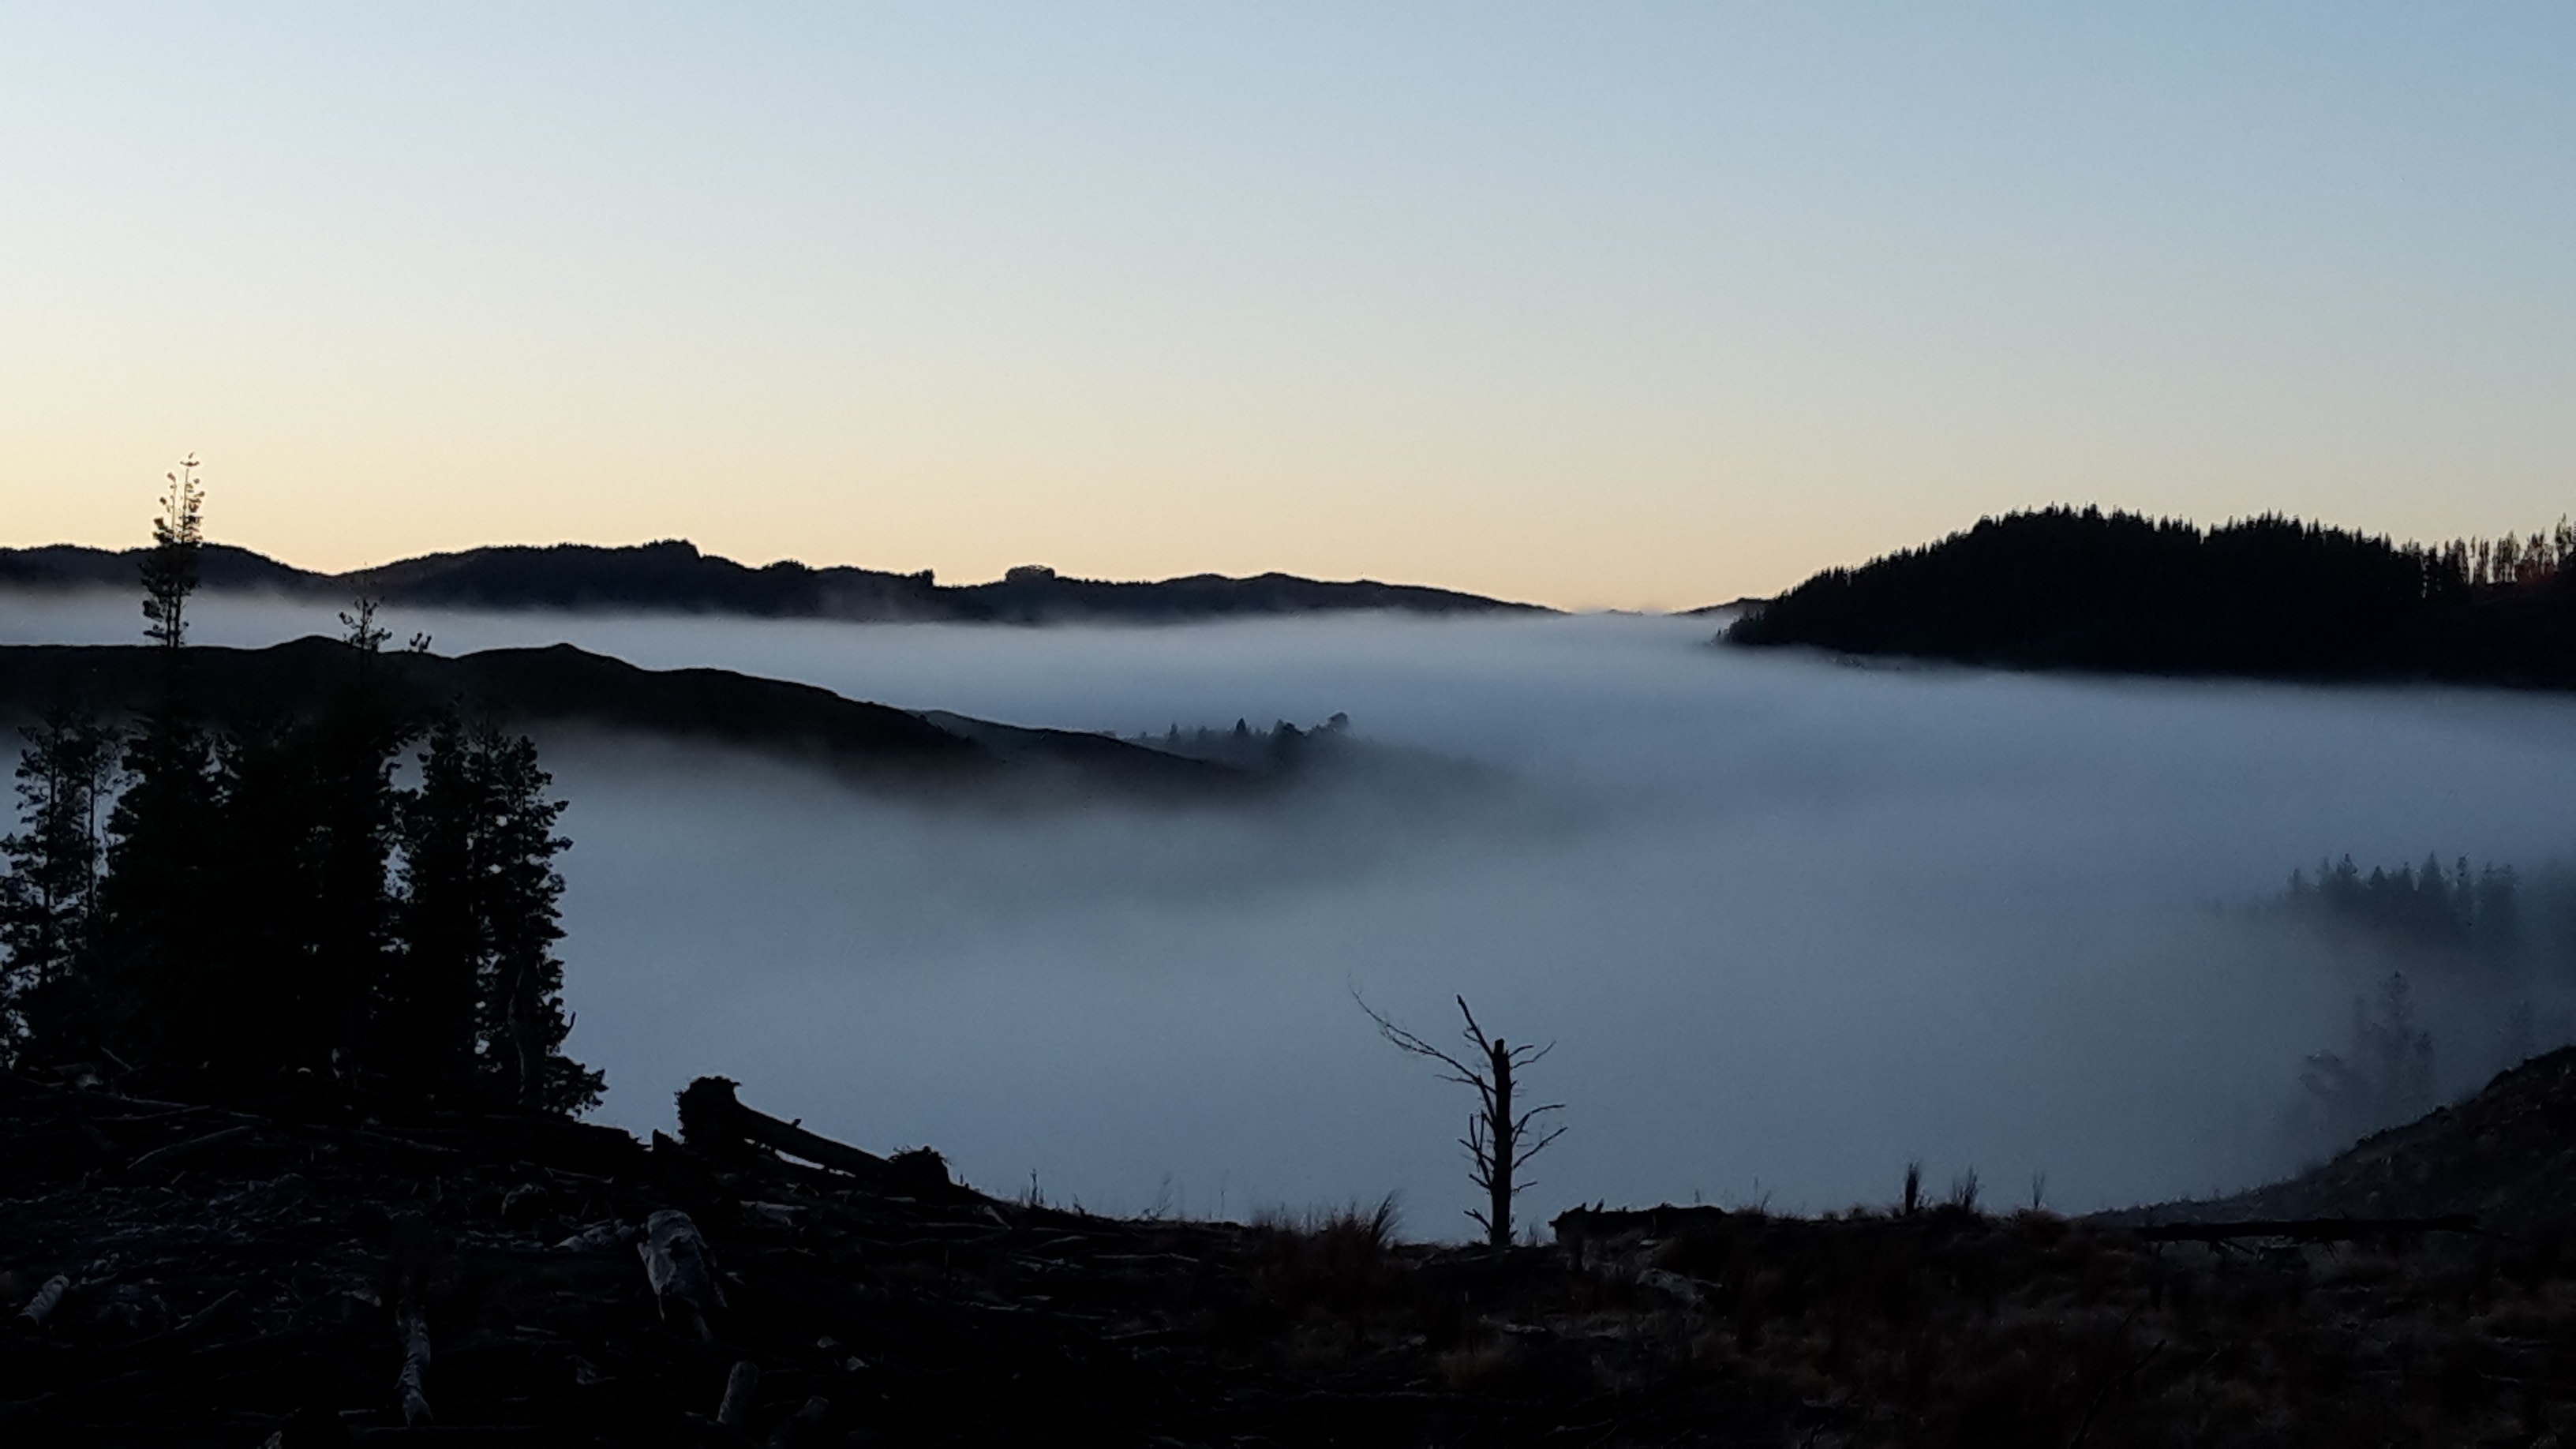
2269,596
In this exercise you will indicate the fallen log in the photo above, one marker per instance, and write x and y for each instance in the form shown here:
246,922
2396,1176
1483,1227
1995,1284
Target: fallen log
2306,1230
805,1426
598,1236
47,1299
411,1385
734,1410
177,1151
677,1264
712,1120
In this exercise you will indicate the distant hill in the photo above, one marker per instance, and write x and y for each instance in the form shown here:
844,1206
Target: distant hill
546,690
675,577
2268,597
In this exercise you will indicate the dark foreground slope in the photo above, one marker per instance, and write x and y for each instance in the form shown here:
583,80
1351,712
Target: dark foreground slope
226,1276
2270,597
231,1276
2506,1157
540,690
675,577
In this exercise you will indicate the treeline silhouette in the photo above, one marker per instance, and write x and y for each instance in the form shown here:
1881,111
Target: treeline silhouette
263,912
2476,913
1282,747
2270,596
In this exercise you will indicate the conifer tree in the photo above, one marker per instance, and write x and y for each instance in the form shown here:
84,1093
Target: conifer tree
427,1025
49,897
480,989
260,999
170,570
301,933
151,995
351,750
236,915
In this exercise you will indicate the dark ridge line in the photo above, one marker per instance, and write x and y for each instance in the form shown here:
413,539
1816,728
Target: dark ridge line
673,576
535,688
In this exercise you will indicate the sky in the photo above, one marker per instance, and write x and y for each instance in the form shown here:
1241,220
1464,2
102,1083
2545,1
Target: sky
1626,305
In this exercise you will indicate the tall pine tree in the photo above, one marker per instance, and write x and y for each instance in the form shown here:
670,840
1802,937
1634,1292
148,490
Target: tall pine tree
153,998
479,993
170,569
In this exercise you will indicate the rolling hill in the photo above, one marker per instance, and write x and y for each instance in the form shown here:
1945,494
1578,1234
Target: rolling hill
675,577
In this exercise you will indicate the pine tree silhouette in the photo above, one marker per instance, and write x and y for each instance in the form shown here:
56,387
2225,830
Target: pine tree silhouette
49,897
481,919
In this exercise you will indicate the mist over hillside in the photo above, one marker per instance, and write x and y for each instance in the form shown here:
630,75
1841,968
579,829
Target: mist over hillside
559,688
1791,924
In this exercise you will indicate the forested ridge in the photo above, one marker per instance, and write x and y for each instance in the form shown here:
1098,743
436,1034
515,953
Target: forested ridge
2267,596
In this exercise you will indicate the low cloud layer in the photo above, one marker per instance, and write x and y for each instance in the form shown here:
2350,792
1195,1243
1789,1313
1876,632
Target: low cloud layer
1791,924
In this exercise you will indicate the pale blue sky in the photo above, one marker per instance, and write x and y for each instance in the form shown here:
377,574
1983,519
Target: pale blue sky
1598,304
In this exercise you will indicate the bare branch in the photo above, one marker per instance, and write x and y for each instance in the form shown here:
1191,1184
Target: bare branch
1459,1072
1521,1122
1522,1157
1474,1033
1407,1041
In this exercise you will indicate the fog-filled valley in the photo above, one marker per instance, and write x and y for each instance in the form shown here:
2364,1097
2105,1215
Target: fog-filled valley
1791,924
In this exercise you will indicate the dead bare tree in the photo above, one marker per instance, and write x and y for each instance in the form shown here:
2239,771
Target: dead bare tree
1498,1140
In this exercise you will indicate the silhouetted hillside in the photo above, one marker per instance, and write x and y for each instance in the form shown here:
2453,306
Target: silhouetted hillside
220,566
562,685
2268,597
2506,1156
195,1275
674,576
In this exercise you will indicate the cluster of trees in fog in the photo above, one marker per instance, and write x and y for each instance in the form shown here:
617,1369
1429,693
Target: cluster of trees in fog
2081,588
2498,936
266,911
2475,913
1283,746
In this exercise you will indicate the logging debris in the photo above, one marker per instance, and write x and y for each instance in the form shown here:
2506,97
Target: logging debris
47,1299
286,1285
